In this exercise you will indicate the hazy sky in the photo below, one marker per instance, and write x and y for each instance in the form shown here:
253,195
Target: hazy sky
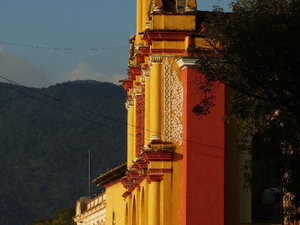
43,42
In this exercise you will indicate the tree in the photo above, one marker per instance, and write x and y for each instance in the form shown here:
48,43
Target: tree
62,217
255,50
45,221
44,144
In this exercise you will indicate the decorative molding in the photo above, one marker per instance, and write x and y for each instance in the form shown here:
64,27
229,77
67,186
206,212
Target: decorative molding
164,35
140,58
190,5
143,80
91,210
173,105
167,100
152,155
160,170
157,5
132,174
145,50
186,62
125,181
127,84
148,24
155,138
132,182
133,71
145,75
156,59
129,103
135,175
140,164
177,108
140,120
127,194
138,89
155,178
167,51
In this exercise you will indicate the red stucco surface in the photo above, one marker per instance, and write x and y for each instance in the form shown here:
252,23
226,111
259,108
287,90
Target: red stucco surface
203,173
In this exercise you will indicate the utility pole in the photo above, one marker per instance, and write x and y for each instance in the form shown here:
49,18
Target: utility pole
89,173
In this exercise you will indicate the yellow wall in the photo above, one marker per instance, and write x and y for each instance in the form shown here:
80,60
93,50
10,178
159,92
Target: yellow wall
170,188
161,202
144,216
173,22
167,45
115,204
156,202
130,132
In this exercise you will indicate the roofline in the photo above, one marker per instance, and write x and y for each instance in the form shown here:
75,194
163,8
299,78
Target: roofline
111,175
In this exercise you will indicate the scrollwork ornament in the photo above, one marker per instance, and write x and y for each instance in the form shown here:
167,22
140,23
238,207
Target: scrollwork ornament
173,105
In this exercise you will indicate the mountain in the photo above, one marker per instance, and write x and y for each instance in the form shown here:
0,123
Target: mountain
45,137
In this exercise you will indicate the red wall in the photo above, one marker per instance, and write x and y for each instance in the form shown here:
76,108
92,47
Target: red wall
203,172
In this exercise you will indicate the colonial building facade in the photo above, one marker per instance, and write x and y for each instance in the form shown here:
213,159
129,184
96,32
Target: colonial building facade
181,168
175,160
91,211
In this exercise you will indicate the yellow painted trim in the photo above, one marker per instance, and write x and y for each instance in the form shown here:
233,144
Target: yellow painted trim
147,110
154,203
129,135
155,105
134,131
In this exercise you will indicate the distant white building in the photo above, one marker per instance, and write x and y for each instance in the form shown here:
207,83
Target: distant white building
91,211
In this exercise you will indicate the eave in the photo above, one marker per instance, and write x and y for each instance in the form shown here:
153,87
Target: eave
111,175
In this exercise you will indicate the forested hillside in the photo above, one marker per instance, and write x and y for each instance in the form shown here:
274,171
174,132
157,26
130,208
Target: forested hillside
44,144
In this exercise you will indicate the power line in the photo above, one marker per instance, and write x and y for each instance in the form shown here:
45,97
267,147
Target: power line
22,45
59,109
101,115
111,128
94,113
64,102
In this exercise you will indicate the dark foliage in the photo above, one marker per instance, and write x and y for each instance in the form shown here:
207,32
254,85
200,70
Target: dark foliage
255,50
44,147
62,217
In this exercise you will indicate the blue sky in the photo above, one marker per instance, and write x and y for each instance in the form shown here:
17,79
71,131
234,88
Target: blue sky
80,25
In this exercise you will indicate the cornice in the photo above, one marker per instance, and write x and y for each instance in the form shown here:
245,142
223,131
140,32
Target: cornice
155,178
111,175
165,35
167,51
145,50
129,103
140,169
156,59
127,84
152,155
187,62
134,71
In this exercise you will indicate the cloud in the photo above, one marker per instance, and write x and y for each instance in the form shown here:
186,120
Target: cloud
85,71
18,69
116,78
21,70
